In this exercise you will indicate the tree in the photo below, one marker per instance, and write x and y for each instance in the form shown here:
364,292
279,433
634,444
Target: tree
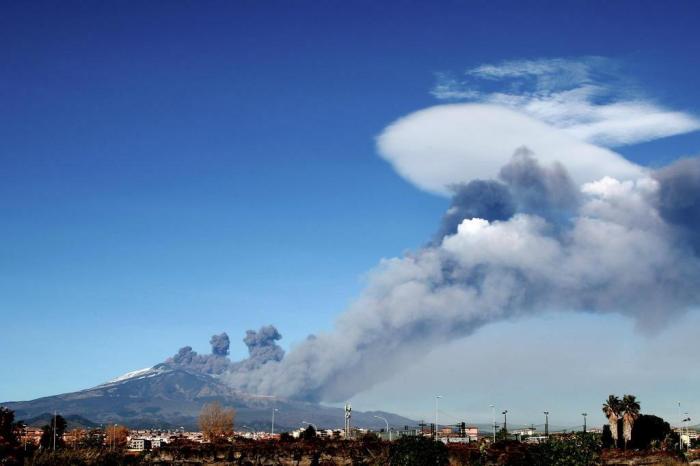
216,422
630,408
579,449
308,434
52,434
116,435
606,438
502,435
648,431
613,409
95,438
10,453
418,451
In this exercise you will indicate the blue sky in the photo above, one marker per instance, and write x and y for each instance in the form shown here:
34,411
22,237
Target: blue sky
172,170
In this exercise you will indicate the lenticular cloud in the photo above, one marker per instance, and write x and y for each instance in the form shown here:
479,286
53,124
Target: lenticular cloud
530,240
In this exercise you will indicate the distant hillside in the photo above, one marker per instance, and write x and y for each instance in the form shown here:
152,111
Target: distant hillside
169,396
73,420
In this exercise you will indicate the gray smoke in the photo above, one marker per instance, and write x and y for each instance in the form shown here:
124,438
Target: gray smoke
545,191
262,347
187,358
219,344
524,186
609,246
490,200
679,198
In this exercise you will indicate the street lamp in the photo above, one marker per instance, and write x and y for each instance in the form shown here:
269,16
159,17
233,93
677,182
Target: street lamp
493,415
387,425
546,423
272,430
680,428
584,421
437,398
505,421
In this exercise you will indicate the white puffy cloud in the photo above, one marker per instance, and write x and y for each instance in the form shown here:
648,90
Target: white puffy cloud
585,97
448,144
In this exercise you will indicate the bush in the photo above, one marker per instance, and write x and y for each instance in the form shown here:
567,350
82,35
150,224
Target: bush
649,431
418,451
580,449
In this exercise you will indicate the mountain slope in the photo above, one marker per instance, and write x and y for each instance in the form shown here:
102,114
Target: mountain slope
169,396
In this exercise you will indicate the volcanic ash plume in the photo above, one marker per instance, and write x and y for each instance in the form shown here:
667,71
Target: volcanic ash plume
262,348
526,243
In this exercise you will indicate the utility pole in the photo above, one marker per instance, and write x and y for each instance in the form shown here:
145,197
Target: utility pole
546,424
584,421
54,431
493,415
505,421
437,397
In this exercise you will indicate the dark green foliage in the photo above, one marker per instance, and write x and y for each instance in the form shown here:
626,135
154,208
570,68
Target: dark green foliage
418,451
501,435
308,434
649,431
58,428
10,451
606,438
580,449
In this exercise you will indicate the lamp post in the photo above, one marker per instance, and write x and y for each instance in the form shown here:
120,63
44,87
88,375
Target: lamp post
387,425
546,423
493,415
437,398
505,421
584,421
680,429
272,430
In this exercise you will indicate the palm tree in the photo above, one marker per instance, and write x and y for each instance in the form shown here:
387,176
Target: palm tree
630,408
613,409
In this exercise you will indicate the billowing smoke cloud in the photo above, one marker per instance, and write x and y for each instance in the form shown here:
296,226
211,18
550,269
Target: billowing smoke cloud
219,344
490,200
545,191
679,197
529,242
524,186
262,347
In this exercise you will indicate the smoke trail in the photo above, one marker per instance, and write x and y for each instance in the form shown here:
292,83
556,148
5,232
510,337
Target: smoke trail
527,243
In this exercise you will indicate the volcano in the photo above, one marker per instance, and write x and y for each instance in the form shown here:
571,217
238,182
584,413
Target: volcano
168,396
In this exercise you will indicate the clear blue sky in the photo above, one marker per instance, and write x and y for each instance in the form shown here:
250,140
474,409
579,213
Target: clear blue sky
174,169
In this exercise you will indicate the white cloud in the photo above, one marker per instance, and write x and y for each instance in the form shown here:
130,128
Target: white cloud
582,97
447,144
